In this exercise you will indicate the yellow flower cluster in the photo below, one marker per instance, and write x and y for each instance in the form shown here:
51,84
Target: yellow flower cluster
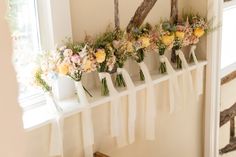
168,39
145,41
63,69
199,32
100,55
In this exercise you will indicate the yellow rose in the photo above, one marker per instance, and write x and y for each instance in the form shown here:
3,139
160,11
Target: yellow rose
168,39
100,55
129,47
145,41
63,69
180,35
198,32
87,66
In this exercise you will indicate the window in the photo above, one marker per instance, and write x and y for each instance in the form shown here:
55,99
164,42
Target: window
36,25
26,40
228,55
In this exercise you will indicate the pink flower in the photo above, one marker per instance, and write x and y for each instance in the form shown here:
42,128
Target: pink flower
75,58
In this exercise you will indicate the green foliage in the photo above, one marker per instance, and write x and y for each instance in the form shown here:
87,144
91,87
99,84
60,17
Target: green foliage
41,82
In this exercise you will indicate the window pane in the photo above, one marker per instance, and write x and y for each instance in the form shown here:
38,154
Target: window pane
24,25
228,55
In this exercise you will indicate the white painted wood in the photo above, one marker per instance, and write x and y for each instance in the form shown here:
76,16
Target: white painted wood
71,107
212,106
54,26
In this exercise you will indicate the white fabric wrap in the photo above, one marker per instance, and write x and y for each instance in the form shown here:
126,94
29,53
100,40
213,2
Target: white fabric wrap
132,104
174,91
150,115
56,138
187,82
86,118
199,72
116,115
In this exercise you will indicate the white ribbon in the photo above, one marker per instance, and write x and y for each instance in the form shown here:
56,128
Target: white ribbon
116,122
199,72
132,104
56,138
87,124
174,91
188,89
150,115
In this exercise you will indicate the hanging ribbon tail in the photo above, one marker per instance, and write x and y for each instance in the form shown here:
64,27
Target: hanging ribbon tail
150,114
188,89
88,134
199,72
116,122
87,123
131,106
56,139
174,91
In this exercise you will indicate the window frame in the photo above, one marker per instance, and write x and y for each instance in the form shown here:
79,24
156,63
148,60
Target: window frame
52,30
228,4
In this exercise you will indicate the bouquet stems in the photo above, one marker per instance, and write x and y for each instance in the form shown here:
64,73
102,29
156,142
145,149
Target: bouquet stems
178,62
87,92
191,58
120,82
141,75
104,88
140,53
162,68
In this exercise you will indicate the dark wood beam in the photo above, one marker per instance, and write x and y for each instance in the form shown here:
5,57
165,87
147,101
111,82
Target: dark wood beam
116,14
227,114
140,14
98,154
228,78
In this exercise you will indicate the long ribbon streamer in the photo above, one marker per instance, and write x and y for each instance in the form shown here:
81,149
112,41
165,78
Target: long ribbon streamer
116,122
132,104
174,91
87,124
188,89
56,138
199,72
150,115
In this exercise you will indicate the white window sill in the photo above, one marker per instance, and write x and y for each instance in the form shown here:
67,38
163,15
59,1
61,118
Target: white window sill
42,115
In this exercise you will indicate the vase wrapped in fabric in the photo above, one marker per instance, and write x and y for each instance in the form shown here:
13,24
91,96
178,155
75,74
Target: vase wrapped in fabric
141,41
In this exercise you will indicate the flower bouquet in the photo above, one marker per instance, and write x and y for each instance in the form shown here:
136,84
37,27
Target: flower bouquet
42,78
165,40
199,26
105,57
120,50
141,41
74,60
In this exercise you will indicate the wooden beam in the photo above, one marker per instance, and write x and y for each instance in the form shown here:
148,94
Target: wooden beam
174,14
116,14
229,148
140,14
227,114
228,78
98,154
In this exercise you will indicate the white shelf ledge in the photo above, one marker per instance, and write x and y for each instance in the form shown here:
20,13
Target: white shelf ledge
41,116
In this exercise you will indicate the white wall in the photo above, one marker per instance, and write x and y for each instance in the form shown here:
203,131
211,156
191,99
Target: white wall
12,137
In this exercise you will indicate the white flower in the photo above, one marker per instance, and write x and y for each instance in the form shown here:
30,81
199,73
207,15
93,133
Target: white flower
68,52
